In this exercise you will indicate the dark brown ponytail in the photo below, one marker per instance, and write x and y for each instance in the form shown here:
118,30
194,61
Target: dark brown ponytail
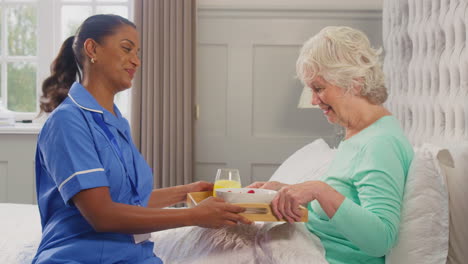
63,73
69,62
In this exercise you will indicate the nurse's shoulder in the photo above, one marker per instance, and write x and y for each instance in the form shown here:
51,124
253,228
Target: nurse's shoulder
66,121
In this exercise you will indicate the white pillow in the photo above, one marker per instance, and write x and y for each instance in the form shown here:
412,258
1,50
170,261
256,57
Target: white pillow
423,235
457,181
308,163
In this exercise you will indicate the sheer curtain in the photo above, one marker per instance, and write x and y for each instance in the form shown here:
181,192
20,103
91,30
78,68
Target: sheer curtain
164,88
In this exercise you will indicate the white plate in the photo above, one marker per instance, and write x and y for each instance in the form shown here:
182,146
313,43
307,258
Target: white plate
242,195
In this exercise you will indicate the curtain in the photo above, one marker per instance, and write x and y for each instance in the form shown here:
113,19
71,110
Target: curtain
164,88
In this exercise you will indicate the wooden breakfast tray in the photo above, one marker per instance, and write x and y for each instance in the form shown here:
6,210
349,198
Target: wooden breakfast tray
194,198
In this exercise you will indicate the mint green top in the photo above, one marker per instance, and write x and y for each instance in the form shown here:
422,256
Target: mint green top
370,170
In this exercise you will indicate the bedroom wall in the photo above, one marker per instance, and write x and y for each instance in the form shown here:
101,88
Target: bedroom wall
17,151
247,93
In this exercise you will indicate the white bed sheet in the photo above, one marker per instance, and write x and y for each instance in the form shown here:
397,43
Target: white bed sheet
20,232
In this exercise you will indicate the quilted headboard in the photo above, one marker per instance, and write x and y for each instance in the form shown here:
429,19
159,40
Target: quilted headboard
426,64
426,67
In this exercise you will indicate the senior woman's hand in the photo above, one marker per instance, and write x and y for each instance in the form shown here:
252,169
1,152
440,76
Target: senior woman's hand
270,185
286,203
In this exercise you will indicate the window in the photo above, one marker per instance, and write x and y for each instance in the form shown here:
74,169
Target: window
31,33
18,55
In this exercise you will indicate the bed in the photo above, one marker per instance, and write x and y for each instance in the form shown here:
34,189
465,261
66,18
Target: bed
426,65
20,232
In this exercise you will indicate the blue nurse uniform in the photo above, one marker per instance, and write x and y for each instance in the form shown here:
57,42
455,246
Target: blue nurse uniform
74,153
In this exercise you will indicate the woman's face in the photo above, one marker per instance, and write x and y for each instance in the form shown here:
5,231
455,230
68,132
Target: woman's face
118,57
331,99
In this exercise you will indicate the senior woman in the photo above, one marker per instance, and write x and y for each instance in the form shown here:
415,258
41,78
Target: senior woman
355,207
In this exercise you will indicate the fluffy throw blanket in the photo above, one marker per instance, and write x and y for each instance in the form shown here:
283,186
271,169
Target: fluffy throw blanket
256,243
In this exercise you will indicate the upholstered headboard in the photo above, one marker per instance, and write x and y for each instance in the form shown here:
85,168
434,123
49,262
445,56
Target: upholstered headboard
426,67
426,63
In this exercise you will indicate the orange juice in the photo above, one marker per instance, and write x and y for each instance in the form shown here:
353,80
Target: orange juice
225,184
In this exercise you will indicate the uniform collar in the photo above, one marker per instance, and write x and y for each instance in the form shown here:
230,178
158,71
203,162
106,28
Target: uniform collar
85,100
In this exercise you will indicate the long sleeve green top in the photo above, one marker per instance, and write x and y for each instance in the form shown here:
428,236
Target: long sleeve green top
370,170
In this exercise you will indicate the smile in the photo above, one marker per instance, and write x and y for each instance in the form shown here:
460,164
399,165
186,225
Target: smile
131,72
326,109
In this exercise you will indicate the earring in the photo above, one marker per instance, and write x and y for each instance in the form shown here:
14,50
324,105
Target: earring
92,60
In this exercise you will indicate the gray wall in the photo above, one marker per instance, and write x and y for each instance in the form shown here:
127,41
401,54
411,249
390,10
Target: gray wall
17,167
247,91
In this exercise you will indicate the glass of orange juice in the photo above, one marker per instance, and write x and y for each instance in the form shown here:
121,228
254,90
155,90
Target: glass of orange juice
226,178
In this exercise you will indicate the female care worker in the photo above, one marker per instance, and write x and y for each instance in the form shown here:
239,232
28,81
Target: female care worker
94,188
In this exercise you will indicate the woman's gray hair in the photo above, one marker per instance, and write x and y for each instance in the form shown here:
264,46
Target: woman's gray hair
344,57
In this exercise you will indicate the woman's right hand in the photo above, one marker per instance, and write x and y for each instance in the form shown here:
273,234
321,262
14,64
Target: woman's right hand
213,212
270,185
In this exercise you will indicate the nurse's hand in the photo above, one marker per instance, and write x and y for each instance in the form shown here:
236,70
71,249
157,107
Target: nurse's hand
199,186
213,212
270,185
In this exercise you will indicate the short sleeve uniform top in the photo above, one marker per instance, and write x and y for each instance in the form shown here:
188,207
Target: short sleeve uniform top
73,154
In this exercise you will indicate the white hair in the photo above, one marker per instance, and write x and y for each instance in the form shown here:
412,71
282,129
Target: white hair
344,57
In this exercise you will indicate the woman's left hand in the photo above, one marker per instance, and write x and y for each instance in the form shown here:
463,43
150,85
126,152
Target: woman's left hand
177,194
199,186
289,198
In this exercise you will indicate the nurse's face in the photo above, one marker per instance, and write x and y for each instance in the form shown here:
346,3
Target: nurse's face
118,57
